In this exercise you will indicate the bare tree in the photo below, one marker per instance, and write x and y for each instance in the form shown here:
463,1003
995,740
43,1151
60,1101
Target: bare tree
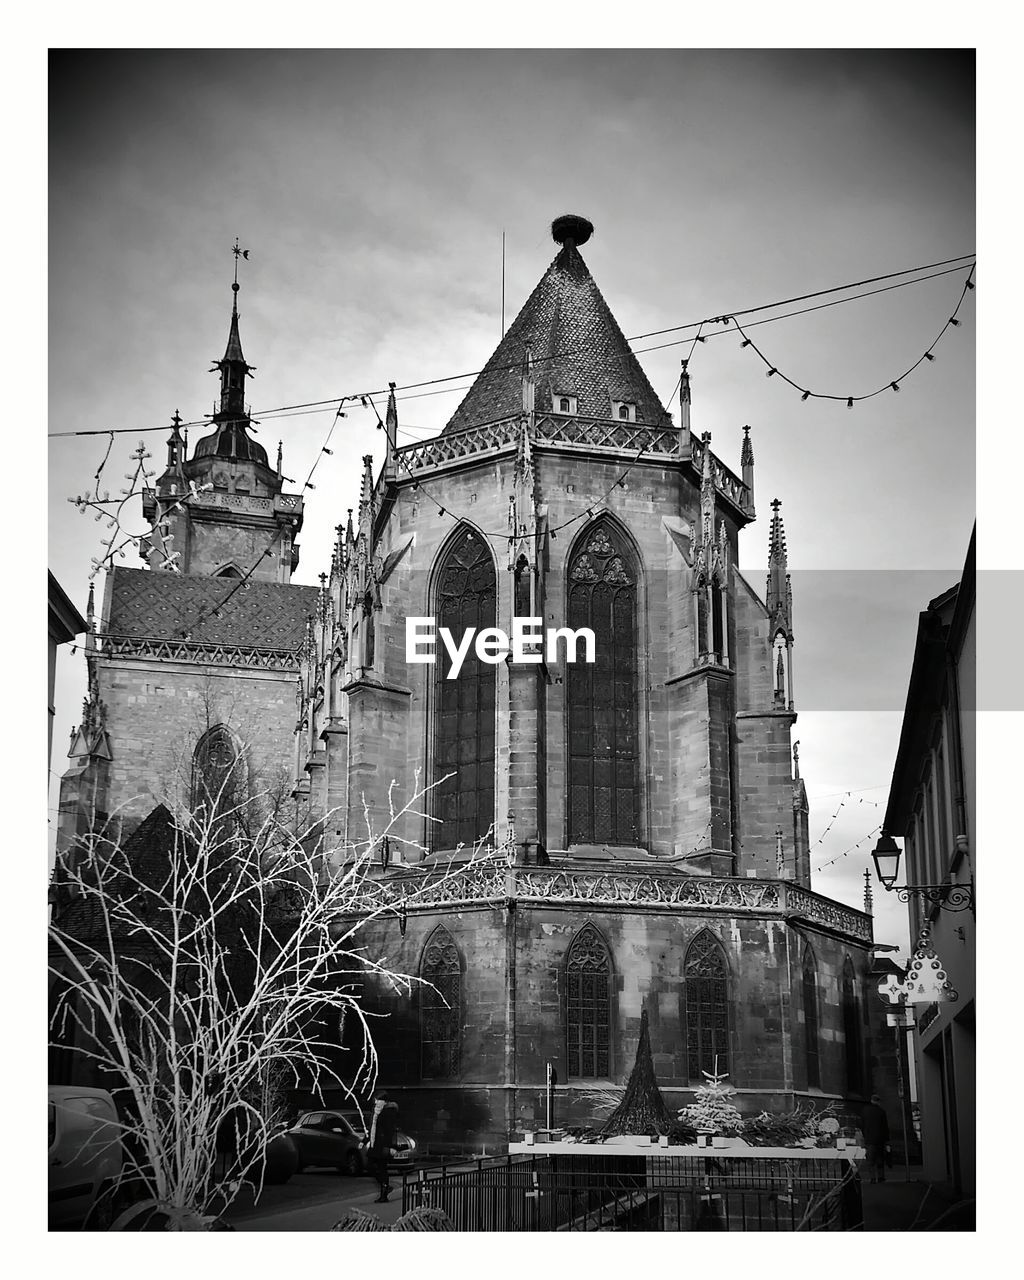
201,963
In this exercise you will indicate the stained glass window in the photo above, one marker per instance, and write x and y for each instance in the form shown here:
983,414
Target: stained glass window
851,1029
216,772
707,1007
588,994
604,788
464,708
810,994
440,1007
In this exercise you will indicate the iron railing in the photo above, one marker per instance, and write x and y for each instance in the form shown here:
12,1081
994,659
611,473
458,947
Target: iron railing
640,1193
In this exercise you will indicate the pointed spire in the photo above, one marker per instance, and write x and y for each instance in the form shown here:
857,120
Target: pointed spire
232,365
684,410
529,390
707,492
747,467
779,593
780,854
869,902
366,491
747,453
391,429
280,459
350,533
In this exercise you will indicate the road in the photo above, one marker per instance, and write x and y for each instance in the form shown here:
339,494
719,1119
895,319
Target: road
314,1201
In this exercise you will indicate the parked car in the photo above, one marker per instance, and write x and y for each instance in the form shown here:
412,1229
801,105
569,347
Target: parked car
85,1156
338,1139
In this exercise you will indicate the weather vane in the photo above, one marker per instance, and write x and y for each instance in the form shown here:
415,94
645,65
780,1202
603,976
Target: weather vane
239,253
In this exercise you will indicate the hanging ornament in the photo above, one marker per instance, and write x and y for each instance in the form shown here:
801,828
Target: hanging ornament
926,981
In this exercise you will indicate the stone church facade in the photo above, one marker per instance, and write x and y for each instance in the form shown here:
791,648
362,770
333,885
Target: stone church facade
584,841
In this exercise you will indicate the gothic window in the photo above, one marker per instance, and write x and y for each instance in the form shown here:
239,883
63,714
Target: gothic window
851,1029
810,995
216,772
440,1007
588,1005
466,597
706,982
369,639
604,760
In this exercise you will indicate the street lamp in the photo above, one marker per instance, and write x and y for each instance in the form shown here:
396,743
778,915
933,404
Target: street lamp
948,897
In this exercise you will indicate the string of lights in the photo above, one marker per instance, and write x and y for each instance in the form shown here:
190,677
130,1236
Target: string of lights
846,795
723,317
852,848
803,311
892,384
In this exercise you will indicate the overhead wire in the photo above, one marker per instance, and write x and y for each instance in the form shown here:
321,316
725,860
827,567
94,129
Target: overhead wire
431,382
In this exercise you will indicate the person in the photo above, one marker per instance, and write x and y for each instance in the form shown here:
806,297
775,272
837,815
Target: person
875,1127
382,1137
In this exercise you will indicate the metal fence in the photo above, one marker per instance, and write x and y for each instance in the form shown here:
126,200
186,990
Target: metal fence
640,1193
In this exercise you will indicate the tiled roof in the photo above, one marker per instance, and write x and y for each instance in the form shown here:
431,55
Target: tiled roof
565,314
148,851
264,615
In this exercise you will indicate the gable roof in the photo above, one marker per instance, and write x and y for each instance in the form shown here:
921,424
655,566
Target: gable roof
265,615
578,349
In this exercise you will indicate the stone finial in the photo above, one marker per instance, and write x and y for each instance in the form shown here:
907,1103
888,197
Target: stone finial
869,902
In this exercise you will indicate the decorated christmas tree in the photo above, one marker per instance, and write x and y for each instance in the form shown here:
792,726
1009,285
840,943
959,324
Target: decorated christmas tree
713,1110
642,1109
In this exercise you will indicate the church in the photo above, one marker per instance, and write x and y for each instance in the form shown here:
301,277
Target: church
559,846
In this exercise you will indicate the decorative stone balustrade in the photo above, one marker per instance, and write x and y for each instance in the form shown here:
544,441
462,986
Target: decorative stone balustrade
588,435
491,882
226,655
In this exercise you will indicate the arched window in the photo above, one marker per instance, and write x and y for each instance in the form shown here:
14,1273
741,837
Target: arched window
440,1007
851,1029
464,708
216,772
706,980
588,1005
624,412
810,1000
369,637
563,404
604,762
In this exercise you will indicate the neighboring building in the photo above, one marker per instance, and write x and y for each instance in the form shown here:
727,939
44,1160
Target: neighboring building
64,622
932,807
652,816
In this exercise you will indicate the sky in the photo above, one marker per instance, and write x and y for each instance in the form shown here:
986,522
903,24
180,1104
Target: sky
372,189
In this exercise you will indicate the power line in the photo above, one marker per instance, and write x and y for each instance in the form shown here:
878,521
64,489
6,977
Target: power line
723,317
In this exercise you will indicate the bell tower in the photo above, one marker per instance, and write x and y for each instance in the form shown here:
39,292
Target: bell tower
223,510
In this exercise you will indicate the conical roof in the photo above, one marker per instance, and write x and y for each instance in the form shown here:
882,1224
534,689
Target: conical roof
578,349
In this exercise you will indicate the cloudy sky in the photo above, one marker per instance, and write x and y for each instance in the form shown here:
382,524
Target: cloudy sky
373,188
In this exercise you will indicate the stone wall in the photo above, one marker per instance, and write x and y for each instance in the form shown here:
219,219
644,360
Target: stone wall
157,711
502,1082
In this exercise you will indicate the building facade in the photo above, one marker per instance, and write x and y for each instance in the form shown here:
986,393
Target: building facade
647,808
558,846
932,807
